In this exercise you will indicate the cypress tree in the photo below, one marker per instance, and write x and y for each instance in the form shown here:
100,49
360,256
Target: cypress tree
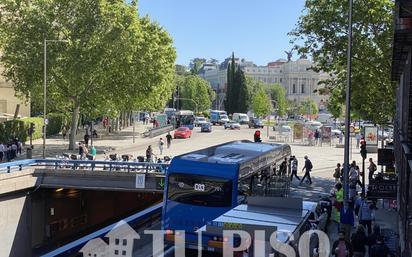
228,89
243,97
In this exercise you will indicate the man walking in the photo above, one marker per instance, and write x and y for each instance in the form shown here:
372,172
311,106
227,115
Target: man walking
294,168
161,144
308,168
372,169
168,140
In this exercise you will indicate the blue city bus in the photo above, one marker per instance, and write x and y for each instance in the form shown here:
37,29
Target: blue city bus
184,119
202,185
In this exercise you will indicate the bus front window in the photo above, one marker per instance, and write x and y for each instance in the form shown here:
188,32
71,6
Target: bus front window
200,190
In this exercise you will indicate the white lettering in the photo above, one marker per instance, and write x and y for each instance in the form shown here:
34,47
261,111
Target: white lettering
158,242
228,248
305,248
281,247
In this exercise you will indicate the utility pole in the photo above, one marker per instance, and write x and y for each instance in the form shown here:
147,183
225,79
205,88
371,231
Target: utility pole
347,109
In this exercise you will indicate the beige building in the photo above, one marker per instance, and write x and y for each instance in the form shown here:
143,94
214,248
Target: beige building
9,101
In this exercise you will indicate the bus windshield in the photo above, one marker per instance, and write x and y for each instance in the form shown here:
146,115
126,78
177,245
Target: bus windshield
200,190
186,119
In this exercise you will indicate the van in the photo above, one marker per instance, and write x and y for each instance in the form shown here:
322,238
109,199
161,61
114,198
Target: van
242,118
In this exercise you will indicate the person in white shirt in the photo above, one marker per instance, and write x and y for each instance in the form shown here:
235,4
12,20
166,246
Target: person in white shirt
161,144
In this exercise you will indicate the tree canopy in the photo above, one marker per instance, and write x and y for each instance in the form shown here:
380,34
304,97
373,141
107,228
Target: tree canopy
112,60
237,94
198,90
261,104
323,30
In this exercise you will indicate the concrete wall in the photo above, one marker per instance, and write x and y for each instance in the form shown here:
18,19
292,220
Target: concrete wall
15,222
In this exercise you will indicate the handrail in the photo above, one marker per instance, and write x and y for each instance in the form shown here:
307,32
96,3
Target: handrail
84,164
77,244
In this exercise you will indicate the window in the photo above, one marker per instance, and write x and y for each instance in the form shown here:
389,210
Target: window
123,252
124,242
117,241
303,88
280,80
293,89
116,252
200,190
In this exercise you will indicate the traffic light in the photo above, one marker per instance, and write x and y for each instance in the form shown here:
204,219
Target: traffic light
363,151
256,137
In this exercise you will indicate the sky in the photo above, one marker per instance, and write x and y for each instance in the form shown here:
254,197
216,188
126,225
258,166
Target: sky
254,29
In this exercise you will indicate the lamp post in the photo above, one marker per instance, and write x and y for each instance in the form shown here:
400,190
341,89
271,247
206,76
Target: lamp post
347,110
45,92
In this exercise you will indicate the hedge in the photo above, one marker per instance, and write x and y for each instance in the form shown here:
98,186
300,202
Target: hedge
19,128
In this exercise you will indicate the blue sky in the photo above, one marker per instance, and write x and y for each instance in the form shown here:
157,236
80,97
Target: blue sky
254,29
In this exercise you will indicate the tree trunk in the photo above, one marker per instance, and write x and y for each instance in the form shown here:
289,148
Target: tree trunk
75,121
116,124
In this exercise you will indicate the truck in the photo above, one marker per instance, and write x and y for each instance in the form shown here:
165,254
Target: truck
242,118
218,117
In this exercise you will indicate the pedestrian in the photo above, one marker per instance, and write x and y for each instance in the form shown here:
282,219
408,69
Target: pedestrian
85,151
359,241
347,219
372,238
147,117
81,151
340,138
149,153
2,148
308,168
19,147
317,135
366,213
86,139
341,247
64,133
372,168
168,140
338,202
161,144
379,249
283,169
358,138
294,168
13,150
336,174
93,152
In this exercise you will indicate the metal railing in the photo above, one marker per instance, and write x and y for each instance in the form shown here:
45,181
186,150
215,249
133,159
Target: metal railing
109,166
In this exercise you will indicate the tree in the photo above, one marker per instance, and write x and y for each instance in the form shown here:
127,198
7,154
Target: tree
308,107
196,64
277,93
182,70
323,30
195,88
232,91
261,104
243,94
113,61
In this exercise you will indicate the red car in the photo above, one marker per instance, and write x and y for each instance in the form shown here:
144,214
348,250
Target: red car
182,132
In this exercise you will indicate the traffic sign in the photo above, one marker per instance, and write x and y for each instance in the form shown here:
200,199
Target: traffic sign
140,180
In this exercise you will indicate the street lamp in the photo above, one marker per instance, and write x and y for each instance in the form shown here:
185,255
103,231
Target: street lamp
276,103
187,99
45,92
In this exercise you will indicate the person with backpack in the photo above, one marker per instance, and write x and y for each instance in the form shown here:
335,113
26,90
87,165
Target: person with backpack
294,168
308,168
161,144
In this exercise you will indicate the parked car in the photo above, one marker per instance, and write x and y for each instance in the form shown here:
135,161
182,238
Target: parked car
199,121
255,123
206,127
232,125
182,132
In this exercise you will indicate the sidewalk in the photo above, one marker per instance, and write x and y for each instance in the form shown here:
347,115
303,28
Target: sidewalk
119,142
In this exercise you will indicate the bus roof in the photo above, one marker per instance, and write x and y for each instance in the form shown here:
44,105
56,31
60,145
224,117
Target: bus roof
235,152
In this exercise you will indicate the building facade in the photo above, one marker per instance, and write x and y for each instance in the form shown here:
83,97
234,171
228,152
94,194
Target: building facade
9,101
402,75
296,77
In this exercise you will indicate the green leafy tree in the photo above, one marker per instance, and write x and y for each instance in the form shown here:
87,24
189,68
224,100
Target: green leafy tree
112,61
277,93
182,70
196,64
308,107
261,104
323,30
197,89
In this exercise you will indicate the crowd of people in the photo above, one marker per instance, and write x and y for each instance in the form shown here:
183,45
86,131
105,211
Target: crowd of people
367,237
10,150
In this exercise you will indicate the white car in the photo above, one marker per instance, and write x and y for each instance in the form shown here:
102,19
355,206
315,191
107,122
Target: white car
199,121
223,119
232,125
